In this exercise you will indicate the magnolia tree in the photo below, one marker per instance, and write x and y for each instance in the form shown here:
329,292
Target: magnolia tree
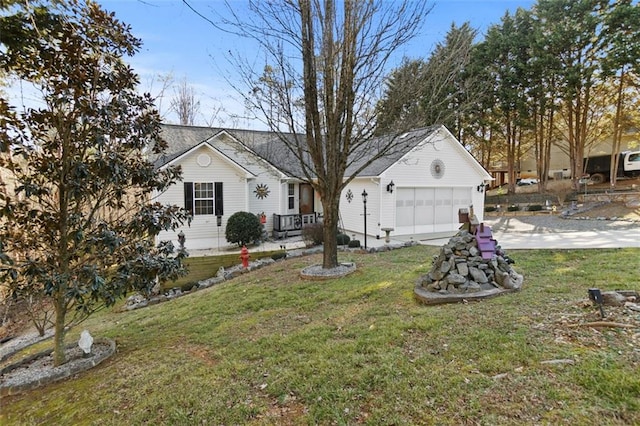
78,221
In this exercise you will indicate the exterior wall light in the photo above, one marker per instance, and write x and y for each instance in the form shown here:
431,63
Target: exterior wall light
390,187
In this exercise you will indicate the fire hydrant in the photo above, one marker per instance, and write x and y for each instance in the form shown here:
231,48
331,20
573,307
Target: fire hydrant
244,256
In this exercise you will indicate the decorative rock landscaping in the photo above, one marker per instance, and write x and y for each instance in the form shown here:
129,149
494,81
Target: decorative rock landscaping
318,273
459,273
38,370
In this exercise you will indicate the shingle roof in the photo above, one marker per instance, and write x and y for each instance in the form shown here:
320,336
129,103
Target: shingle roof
271,148
180,139
401,145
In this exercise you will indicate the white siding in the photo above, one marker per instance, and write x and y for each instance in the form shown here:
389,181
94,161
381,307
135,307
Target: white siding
424,203
203,232
352,213
270,204
421,202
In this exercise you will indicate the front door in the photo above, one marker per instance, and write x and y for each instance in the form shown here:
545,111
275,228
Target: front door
306,198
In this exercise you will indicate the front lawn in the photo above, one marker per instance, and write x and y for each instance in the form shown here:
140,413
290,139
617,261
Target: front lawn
269,348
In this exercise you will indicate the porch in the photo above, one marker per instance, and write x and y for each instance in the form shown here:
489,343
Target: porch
290,225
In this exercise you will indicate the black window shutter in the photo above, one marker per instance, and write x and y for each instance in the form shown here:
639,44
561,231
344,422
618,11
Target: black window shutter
188,197
219,206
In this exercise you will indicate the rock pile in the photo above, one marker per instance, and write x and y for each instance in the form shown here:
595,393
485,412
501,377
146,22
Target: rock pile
460,273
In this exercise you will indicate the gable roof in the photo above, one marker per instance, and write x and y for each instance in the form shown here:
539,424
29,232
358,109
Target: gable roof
181,140
402,145
270,148
465,153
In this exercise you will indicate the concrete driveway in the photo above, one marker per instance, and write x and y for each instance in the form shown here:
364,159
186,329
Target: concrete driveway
553,232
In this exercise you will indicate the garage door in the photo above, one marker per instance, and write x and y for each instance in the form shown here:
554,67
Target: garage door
428,210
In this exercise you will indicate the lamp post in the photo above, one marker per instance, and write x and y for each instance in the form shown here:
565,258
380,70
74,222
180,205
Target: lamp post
364,202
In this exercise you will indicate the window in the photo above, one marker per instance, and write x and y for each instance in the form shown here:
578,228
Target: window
203,198
292,191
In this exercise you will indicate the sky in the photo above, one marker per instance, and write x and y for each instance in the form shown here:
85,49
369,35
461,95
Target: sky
179,43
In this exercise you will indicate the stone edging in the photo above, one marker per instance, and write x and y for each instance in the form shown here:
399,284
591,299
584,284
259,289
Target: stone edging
57,373
138,301
342,270
560,215
432,298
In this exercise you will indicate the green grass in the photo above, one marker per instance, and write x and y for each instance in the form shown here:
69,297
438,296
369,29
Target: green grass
269,348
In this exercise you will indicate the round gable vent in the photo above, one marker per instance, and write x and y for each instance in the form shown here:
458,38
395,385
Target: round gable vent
437,168
203,160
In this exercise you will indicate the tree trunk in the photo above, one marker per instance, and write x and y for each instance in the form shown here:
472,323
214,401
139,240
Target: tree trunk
330,209
617,132
59,357
511,153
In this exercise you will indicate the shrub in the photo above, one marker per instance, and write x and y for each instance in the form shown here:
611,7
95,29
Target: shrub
354,243
490,208
534,208
187,287
312,234
343,239
513,208
279,255
243,228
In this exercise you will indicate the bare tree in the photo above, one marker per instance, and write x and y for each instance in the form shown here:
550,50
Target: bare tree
327,65
216,116
157,85
185,103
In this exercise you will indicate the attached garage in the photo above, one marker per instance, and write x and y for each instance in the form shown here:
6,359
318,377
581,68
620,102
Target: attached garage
429,210
419,190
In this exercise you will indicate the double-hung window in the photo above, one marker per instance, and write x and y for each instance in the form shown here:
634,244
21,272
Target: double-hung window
292,191
203,198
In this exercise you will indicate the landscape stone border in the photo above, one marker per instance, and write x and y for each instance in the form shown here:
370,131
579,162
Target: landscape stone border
138,301
432,298
47,376
317,273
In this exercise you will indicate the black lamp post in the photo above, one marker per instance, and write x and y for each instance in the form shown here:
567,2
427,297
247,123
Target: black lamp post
364,202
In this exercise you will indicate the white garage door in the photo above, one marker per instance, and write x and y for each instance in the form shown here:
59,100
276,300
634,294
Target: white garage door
428,210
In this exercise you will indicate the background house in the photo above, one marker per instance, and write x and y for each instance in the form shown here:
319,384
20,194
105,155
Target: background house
226,171
559,164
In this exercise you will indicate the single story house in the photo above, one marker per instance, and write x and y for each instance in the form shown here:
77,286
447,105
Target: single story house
417,189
